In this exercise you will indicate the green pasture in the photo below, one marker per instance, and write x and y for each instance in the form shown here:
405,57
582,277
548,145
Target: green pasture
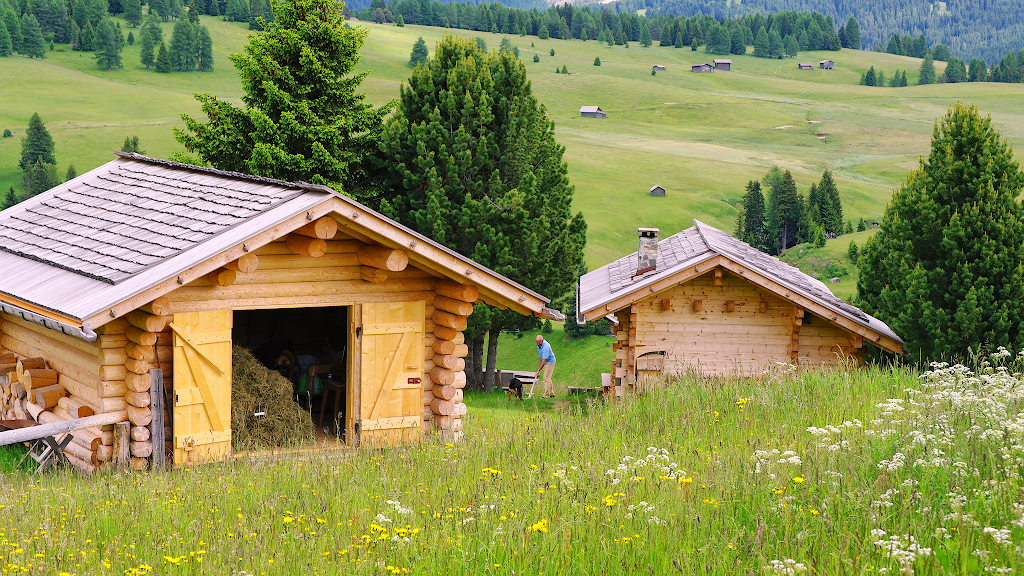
701,136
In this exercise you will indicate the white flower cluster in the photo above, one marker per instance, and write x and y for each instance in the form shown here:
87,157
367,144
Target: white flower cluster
1000,535
656,461
786,566
904,549
765,460
398,507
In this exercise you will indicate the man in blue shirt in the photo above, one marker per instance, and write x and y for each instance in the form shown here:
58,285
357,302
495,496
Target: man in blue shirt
547,365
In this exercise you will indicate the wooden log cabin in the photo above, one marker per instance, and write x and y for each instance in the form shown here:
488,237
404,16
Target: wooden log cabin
143,264
705,302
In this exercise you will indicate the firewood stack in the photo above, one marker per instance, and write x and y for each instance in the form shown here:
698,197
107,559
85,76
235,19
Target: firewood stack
446,350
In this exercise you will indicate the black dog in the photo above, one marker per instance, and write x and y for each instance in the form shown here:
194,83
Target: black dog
515,386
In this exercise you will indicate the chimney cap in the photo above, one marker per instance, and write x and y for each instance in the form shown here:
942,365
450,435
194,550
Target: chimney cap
650,232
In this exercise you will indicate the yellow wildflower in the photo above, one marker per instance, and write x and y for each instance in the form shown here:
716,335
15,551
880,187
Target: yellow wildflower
541,526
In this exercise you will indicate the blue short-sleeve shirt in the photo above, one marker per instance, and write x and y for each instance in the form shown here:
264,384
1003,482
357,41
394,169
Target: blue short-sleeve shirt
546,353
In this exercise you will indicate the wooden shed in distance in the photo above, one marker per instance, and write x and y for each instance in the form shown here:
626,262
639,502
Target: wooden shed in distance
702,68
592,112
657,190
805,66
723,64
705,302
826,65
659,68
143,264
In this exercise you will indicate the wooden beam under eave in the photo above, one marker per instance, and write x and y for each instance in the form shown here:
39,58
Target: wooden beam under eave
323,228
306,246
390,259
246,264
222,277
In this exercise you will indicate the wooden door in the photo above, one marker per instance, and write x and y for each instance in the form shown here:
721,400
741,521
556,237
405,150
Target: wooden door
202,386
391,373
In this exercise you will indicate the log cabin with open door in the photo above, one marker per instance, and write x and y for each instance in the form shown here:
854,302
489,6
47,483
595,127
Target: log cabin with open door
143,264
702,301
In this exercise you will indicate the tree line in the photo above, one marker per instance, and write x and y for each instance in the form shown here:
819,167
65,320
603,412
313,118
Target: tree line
786,217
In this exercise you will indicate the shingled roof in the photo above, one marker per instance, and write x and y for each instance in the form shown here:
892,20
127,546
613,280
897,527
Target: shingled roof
616,281
70,255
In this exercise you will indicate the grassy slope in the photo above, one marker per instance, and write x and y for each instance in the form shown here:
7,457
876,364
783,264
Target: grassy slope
702,136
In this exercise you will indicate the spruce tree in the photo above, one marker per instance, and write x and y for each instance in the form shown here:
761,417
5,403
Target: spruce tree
946,270
419,53
146,43
131,38
13,24
787,214
927,75
645,35
160,8
32,44
132,12
762,49
737,41
205,62
182,49
86,37
597,61
955,71
5,41
792,47
108,46
852,34
869,77
10,199
302,119
978,71
831,207
472,162
71,174
755,231
680,38
163,60
40,177
193,12
131,144
775,48
37,144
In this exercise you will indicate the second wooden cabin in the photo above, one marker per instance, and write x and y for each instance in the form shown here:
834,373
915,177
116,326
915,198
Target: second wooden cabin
143,264
702,301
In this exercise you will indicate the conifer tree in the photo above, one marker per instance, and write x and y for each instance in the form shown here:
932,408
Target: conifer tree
927,75
40,177
193,12
762,48
473,163
182,48
163,60
869,77
978,71
108,46
852,34
5,41
419,53
831,206
645,35
32,44
205,62
955,71
775,48
160,8
302,119
10,199
754,226
75,37
597,61
132,12
786,215
792,47
680,38
131,38
737,41
946,269
131,144
71,174
13,24
146,43
86,38
37,144
543,33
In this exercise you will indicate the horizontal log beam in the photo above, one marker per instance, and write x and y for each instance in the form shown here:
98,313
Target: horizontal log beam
306,246
323,228
246,264
382,257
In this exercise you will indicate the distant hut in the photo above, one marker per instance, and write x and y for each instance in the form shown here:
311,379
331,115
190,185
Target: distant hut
723,65
702,68
826,65
805,66
659,68
592,112
657,190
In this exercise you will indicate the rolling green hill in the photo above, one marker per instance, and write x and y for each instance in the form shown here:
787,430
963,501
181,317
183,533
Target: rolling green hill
701,136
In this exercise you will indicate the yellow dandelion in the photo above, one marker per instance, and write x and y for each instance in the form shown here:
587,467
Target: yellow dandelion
541,526
798,479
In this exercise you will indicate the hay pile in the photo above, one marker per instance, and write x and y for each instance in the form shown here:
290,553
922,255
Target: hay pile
254,388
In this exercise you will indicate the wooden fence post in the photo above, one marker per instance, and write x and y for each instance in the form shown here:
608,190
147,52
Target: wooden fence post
122,445
156,426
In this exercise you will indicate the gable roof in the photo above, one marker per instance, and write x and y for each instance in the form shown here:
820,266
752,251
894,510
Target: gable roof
117,237
613,286
590,109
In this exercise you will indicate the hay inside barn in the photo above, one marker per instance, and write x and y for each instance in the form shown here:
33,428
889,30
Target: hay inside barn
256,389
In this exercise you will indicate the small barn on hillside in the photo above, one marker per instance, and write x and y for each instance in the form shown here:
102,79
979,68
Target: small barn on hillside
592,112
657,190
826,65
805,66
702,68
723,64
702,301
659,68
143,264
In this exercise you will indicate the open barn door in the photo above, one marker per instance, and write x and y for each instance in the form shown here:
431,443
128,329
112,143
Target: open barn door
391,373
202,386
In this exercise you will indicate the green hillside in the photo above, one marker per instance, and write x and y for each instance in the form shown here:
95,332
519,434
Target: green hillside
701,136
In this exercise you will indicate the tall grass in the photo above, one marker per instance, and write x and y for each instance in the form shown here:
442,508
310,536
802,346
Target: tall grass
787,474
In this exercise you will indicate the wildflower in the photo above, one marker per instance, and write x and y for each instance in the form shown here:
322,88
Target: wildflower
541,526
686,480
288,519
798,479
609,501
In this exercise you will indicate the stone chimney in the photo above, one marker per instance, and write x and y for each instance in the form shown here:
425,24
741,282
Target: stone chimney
647,255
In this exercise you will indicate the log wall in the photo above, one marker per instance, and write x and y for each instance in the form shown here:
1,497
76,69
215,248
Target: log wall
444,367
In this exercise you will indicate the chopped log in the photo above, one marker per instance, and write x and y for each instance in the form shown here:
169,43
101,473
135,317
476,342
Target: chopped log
76,407
112,356
82,466
112,373
458,397
115,326
142,449
147,322
442,407
460,365
450,320
443,346
138,399
52,427
246,264
442,376
428,397
454,306
443,392
107,389
112,341
140,352
457,291
461,350
444,332
88,443
371,274
141,433
382,257
222,277
8,359
28,364
19,410
306,246
460,380
140,464
34,410
137,382
48,396
323,228
460,338
428,414
159,307
449,423
139,416
446,361
136,366
428,325
141,337
107,437
104,453
39,378
460,410
122,445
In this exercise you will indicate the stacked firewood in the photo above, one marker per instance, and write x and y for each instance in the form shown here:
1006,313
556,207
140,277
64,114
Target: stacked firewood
148,346
446,350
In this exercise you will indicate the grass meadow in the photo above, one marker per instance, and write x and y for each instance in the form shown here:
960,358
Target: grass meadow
867,471
701,136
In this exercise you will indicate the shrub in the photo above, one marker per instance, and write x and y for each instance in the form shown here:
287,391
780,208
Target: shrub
8,133
536,58
597,61
853,251
552,51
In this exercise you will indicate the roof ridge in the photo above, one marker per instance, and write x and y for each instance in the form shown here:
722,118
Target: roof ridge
228,173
